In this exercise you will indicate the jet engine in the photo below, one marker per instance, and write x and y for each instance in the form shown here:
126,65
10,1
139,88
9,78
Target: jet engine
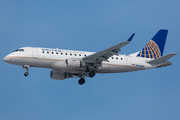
72,64
68,65
59,75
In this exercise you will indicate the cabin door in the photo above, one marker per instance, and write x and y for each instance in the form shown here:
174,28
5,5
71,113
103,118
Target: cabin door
34,52
128,60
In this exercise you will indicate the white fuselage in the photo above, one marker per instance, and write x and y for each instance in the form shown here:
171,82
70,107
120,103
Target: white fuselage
56,59
70,63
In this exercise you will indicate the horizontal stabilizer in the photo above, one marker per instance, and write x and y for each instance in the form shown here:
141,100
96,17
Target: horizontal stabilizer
162,59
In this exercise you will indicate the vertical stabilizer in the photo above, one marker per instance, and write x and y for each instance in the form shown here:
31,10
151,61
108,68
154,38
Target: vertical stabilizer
155,47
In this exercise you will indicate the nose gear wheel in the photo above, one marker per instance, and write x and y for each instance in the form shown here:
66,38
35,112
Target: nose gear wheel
26,68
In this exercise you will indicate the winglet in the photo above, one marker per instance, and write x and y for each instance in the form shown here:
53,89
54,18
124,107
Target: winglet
131,37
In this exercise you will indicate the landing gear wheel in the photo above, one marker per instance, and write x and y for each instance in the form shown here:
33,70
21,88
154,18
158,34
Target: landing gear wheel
81,81
92,73
26,68
26,74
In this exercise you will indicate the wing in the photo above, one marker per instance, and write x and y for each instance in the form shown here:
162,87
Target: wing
99,57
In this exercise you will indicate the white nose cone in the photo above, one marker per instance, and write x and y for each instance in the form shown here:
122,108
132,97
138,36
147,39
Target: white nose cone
6,59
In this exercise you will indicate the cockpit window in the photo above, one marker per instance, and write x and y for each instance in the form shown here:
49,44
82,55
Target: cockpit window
15,50
20,50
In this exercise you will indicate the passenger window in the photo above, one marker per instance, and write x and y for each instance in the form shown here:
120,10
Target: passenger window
85,55
66,53
56,52
47,52
117,58
42,51
52,52
112,57
79,54
121,58
61,53
70,54
74,54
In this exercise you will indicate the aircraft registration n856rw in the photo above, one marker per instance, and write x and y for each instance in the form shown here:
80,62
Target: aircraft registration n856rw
70,63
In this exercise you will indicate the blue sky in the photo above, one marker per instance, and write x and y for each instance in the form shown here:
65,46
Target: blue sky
89,25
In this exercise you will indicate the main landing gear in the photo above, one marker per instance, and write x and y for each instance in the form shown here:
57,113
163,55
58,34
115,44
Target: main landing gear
81,81
26,68
91,74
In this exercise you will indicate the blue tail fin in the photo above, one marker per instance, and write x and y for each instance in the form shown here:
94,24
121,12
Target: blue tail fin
155,47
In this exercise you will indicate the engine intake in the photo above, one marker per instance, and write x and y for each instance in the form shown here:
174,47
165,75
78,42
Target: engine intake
56,75
73,64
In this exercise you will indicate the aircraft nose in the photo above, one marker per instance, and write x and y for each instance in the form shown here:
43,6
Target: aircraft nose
6,59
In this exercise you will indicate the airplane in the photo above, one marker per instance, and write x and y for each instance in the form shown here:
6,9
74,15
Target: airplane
80,64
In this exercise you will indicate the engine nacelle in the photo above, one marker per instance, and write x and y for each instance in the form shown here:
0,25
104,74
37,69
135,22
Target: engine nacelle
68,65
72,64
59,75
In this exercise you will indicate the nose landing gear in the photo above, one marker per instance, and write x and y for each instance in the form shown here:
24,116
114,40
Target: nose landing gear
26,68
26,74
